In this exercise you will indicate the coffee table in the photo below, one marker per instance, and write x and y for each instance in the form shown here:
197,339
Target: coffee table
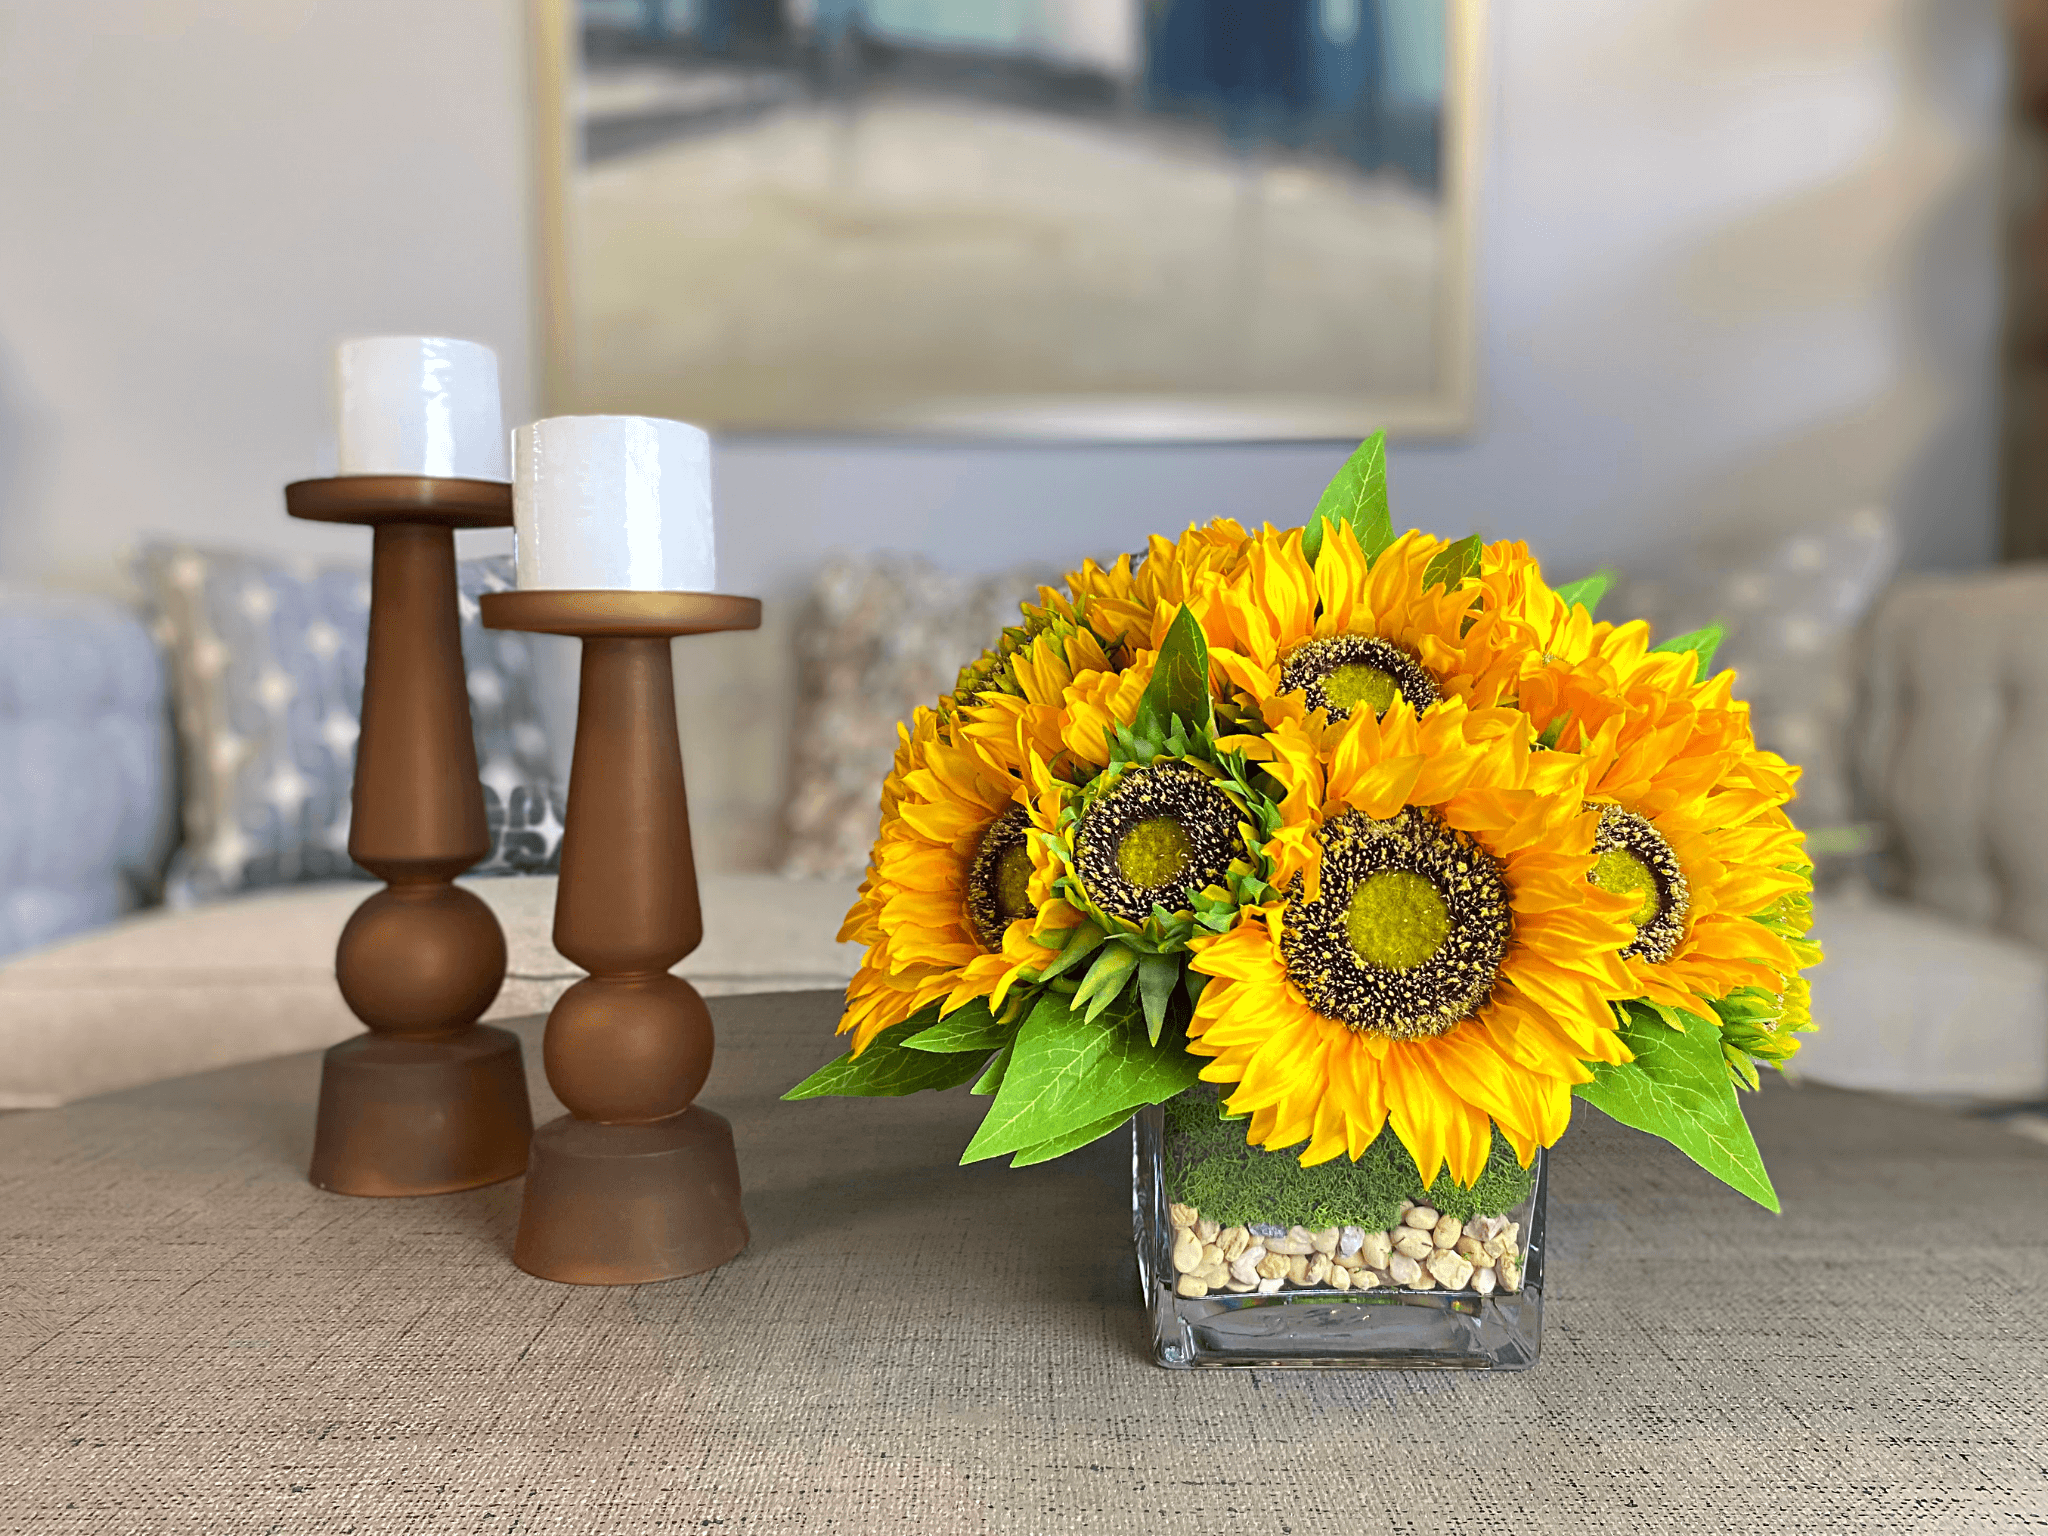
192,1338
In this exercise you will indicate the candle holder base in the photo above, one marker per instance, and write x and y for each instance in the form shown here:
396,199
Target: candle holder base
626,1204
410,1116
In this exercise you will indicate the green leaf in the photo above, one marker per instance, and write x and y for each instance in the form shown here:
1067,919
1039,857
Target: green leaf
1105,980
1588,590
1553,733
1066,1074
886,1070
1701,642
1059,1146
1358,496
1158,975
992,1079
1082,941
1179,689
970,1027
1678,1088
1454,565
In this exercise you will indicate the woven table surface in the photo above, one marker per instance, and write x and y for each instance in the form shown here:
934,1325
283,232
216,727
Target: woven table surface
194,1339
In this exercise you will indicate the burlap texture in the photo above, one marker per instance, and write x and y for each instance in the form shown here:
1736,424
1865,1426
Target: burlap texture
193,1339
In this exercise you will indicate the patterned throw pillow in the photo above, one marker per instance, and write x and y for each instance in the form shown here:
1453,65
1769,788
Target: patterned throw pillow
881,634
1793,614
267,672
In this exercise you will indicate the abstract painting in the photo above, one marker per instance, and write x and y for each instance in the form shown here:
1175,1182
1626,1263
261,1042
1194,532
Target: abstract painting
1054,218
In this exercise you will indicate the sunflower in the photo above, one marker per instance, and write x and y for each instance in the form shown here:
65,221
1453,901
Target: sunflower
1061,699
1436,961
958,888
1131,601
1692,825
1346,634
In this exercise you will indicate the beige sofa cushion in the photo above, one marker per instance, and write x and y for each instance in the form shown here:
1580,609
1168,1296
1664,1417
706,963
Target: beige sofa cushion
172,992
1911,1001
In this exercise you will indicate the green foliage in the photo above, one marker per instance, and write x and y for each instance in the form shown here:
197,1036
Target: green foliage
1179,689
1358,496
970,1027
1066,1075
1588,590
1454,565
1678,1088
1210,1166
1701,642
888,1069
1158,975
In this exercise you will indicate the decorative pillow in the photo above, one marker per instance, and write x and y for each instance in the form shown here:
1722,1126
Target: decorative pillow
267,673
1792,617
880,635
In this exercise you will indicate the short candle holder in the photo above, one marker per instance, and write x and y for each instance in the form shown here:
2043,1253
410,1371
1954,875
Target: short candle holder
635,1183
429,1101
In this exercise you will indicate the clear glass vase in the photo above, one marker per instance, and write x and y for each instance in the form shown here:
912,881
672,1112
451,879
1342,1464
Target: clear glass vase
1474,1302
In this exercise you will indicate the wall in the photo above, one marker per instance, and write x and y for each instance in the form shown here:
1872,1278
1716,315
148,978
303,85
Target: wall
197,197
1738,271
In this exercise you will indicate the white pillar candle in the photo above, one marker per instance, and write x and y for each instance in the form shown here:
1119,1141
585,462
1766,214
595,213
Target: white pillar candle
615,502
419,405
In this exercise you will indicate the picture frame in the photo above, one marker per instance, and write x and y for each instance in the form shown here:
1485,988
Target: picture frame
629,325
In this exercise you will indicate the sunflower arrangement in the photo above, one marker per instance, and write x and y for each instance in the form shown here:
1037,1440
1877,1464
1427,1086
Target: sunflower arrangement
1392,844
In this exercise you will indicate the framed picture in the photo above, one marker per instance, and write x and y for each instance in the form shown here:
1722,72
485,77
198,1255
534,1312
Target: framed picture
1125,219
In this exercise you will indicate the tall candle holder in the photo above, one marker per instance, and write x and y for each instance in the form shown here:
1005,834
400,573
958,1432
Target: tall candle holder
429,1101
636,1182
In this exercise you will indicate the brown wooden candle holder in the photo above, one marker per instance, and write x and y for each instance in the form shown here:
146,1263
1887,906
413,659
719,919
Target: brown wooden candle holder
636,1182
429,1101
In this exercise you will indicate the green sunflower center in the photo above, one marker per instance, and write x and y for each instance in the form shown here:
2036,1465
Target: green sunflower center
1623,873
1355,684
1396,920
1408,932
999,878
1153,852
1342,673
1157,835
1631,858
1013,883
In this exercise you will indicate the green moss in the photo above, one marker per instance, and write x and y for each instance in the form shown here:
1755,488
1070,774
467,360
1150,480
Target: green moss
1210,1166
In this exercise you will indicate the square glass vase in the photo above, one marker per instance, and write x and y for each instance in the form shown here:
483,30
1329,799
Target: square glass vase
1370,1320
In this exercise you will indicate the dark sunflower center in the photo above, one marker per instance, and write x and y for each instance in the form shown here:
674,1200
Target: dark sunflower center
1342,673
1409,931
1631,858
999,879
1156,837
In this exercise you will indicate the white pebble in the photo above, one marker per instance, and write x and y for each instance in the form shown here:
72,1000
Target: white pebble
1207,1230
1271,1284
1448,1270
1420,1217
1414,1242
1350,1240
1233,1241
1510,1273
1187,1252
1239,1286
1483,1281
1447,1232
1318,1270
1403,1270
1325,1241
1188,1285
1376,1249
1182,1215
1340,1277
1245,1269
1290,1247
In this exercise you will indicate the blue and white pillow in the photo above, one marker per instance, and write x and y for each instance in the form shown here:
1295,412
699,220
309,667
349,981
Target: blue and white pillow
267,675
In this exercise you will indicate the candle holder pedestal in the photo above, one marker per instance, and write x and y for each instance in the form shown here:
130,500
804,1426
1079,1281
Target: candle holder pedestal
636,1182
429,1101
